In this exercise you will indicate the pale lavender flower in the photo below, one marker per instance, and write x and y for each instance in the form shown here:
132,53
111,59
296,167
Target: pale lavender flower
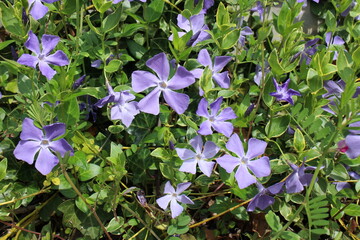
42,58
310,49
333,40
354,124
38,10
260,167
142,80
173,197
259,9
298,178
350,146
124,108
259,73
283,93
216,118
34,140
221,78
262,200
201,156
196,24
245,31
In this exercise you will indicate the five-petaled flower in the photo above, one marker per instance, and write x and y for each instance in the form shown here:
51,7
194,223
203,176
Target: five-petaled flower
33,141
262,200
283,93
200,156
260,167
215,119
298,178
42,57
173,197
124,109
221,78
38,10
142,80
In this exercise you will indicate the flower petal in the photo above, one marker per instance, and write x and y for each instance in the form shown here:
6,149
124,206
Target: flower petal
38,10
225,128
182,187
220,62
204,58
182,79
255,148
260,167
48,42
142,80
32,43
243,177
264,201
222,79
228,162
46,161
235,145
61,146
276,188
169,188
30,131
176,209
197,143
226,114
210,150
205,128
46,70
177,101
353,142
54,130
189,166
202,110
197,22
293,184
185,154
160,65
150,103
185,199
163,202
206,167
28,60
215,106
59,58
26,150
183,23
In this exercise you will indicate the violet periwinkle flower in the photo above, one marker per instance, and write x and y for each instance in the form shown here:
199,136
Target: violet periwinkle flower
259,9
216,119
260,167
78,82
259,73
124,108
296,181
34,140
245,31
350,146
173,197
142,80
310,49
353,125
283,93
221,78
333,40
201,156
262,200
196,24
42,57
38,10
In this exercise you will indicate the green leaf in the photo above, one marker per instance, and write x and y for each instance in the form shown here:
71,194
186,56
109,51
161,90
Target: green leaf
223,18
314,81
161,153
113,66
154,10
81,205
277,126
274,63
230,39
5,44
330,21
92,27
299,140
91,171
352,210
290,235
273,220
3,168
111,21
115,224
10,20
356,56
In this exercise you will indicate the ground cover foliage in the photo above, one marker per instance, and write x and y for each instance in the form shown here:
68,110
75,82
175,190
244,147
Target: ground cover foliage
179,119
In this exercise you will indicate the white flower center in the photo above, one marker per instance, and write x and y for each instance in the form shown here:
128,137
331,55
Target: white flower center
212,119
244,160
198,157
45,143
163,85
41,57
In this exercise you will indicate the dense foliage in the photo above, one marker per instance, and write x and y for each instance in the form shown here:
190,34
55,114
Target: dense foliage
188,119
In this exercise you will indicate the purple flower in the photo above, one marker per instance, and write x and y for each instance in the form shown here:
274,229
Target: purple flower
259,74
38,10
350,146
331,40
246,31
42,57
310,49
78,82
200,156
221,78
196,24
354,124
296,181
142,80
173,197
260,167
259,9
123,109
206,5
262,200
215,119
283,93
33,141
